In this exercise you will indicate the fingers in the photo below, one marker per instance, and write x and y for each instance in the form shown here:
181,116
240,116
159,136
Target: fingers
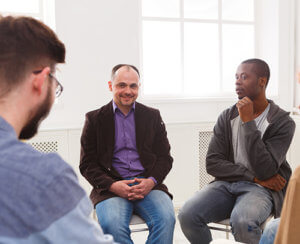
136,190
133,197
281,179
278,182
245,100
136,187
128,181
275,183
138,180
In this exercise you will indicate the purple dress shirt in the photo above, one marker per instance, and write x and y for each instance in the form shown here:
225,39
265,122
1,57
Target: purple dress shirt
126,159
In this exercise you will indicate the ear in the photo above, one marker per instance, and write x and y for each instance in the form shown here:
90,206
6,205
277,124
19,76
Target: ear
39,80
262,81
110,85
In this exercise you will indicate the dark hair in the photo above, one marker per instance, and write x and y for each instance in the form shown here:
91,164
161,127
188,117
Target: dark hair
24,43
261,68
115,69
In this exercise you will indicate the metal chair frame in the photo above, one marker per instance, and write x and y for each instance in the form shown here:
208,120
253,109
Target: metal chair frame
227,228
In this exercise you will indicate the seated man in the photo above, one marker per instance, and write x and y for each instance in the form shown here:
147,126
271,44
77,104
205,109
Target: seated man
41,201
125,155
247,157
288,230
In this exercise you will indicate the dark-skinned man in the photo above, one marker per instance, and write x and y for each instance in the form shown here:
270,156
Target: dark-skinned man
247,157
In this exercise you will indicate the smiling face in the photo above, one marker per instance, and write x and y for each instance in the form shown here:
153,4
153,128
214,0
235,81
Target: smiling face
248,84
125,87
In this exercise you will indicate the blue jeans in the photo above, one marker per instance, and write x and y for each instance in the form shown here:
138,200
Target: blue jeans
270,231
156,209
245,203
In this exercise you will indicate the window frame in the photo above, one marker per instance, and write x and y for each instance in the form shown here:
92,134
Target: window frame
218,96
46,13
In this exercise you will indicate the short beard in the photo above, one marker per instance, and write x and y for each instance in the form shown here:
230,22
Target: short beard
31,128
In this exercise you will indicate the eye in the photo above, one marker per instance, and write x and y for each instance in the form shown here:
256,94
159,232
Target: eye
244,77
122,85
133,86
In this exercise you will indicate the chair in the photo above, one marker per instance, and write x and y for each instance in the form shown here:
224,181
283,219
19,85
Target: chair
205,178
137,220
227,229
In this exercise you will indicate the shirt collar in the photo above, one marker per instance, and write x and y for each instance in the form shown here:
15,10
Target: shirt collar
4,125
116,107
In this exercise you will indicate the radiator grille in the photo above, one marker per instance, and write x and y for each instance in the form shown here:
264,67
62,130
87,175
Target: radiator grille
45,146
204,139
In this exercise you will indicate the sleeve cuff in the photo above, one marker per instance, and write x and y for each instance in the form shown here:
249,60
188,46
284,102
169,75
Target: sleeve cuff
152,178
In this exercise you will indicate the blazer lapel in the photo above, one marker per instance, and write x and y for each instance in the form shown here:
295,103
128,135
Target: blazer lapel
109,128
139,126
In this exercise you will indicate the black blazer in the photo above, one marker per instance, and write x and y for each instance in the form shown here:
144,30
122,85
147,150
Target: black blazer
97,146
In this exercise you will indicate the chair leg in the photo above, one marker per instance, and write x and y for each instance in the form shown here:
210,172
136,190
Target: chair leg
227,232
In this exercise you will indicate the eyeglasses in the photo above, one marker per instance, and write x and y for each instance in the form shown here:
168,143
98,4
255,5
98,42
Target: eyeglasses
59,87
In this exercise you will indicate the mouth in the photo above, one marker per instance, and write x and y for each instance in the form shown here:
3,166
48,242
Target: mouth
238,90
127,98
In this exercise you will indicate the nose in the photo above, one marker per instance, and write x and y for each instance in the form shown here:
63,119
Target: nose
238,81
127,90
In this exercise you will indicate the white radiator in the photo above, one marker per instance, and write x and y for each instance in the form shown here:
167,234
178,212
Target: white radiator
45,146
204,140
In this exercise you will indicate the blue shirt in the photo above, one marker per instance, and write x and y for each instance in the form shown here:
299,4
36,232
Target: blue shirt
41,200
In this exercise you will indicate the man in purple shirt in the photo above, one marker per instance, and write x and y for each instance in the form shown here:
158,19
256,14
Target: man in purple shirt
125,155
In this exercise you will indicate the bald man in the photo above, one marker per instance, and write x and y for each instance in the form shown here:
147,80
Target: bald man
125,155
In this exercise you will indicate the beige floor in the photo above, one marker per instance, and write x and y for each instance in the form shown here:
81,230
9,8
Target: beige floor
179,238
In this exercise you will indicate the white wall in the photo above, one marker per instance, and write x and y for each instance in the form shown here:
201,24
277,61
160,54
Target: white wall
297,55
99,34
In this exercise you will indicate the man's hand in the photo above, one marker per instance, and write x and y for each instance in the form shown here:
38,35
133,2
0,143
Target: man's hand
245,108
275,183
121,188
143,187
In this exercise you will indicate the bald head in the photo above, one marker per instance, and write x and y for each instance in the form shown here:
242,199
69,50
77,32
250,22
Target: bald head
126,67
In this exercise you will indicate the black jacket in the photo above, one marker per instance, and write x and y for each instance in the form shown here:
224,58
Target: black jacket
97,146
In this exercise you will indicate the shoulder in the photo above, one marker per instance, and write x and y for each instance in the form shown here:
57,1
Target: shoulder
278,115
42,186
229,113
147,109
30,162
33,168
